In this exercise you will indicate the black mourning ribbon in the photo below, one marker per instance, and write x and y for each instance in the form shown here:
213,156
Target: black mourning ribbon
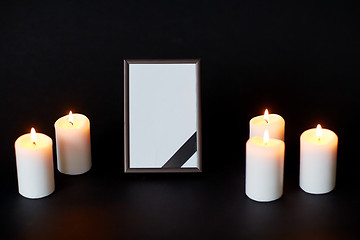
183,154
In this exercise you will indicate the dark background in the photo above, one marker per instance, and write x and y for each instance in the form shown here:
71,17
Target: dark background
300,60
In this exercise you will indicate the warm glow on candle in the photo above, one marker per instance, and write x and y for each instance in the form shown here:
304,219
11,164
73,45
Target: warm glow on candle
266,137
71,119
266,116
318,131
33,135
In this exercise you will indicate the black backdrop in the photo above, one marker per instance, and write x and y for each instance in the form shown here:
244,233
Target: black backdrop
300,60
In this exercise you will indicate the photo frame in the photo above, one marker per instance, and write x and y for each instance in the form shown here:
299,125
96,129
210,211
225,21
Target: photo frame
162,116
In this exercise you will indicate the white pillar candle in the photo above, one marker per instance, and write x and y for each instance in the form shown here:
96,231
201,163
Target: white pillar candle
264,168
318,154
73,144
274,123
34,164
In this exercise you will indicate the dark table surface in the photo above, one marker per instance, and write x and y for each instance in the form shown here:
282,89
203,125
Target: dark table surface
299,60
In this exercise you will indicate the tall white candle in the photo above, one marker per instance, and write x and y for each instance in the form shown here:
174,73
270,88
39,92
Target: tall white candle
264,168
34,164
274,123
318,157
73,144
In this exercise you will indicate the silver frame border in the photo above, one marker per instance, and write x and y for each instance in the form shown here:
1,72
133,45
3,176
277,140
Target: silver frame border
127,168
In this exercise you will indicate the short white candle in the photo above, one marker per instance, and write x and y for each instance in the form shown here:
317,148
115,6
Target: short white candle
274,123
318,157
34,164
73,144
264,168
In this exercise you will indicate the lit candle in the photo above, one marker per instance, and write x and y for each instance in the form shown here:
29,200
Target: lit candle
318,157
34,164
73,144
274,123
264,168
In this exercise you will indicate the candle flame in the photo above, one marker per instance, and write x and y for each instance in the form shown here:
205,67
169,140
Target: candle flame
318,131
266,116
71,119
33,135
266,137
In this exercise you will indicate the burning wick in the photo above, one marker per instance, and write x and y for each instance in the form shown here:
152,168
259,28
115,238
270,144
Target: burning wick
33,135
266,137
71,119
266,116
318,131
